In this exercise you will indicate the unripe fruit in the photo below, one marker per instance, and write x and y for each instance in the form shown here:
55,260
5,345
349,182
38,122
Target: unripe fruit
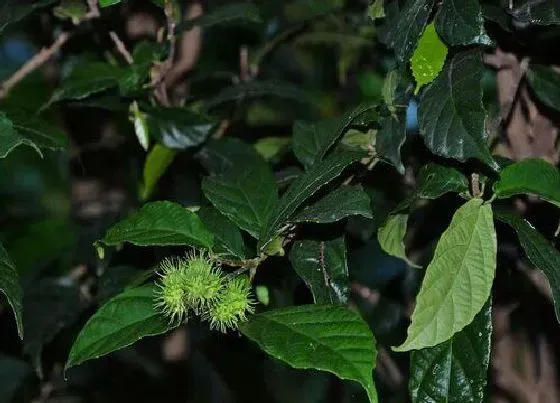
203,283
170,292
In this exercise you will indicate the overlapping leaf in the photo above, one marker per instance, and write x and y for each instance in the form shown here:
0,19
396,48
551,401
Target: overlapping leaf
391,138
228,241
436,180
428,58
460,22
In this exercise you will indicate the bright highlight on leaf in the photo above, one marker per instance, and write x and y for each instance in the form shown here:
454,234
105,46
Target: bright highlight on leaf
428,58
458,281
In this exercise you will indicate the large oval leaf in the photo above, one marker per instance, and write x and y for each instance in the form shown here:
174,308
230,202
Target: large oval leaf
428,58
122,321
455,371
159,224
458,279
9,285
325,337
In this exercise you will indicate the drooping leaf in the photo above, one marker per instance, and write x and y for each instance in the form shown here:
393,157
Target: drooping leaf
178,128
158,224
458,279
411,21
539,250
14,11
455,371
538,12
391,236
157,162
436,180
325,337
228,241
10,287
545,81
391,138
122,321
87,79
340,203
460,22
451,115
302,188
40,132
428,58
270,147
323,267
534,176
227,14
245,195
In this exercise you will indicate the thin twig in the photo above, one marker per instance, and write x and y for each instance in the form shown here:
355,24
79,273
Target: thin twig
475,183
121,47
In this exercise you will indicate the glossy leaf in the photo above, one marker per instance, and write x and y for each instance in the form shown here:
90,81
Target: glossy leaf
10,287
325,337
390,138
227,14
228,241
158,160
340,203
455,371
451,115
542,254
391,236
530,176
159,224
428,58
545,82
245,196
460,22
458,279
302,188
322,265
436,180
178,128
411,21
122,321
14,11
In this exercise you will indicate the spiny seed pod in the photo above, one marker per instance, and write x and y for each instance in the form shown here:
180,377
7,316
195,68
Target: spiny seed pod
204,281
232,306
170,292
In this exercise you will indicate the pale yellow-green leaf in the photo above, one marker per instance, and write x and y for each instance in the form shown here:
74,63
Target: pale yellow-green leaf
140,126
157,162
428,58
269,147
458,281
376,10
391,236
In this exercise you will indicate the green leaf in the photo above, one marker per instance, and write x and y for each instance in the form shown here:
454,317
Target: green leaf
428,58
302,188
376,10
227,14
390,85
10,287
391,236
391,138
325,337
451,116
270,147
122,321
178,128
36,130
157,162
539,250
87,79
260,89
460,22
458,279
220,156
228,241
245,195
538,13
545,82
159,224
312,141
107,3
340,203
322,265
15,11
534,176
455,371
436,180
411,21
9,137
70,9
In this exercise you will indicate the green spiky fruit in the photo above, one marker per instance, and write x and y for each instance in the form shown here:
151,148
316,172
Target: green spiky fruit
232,306
205,281
170,293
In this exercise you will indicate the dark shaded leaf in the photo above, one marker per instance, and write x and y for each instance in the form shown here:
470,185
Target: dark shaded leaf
10,138
220,156
159,224
340,203
451,115
302,188
122,321
460,22
227,14
322,265
436,180
157,162
390,139
455,371
545,81
14,11
10,287
228,241
325,337
538,12
13,374
40,132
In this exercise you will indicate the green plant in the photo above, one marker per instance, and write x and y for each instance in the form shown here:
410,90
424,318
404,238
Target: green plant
336,173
